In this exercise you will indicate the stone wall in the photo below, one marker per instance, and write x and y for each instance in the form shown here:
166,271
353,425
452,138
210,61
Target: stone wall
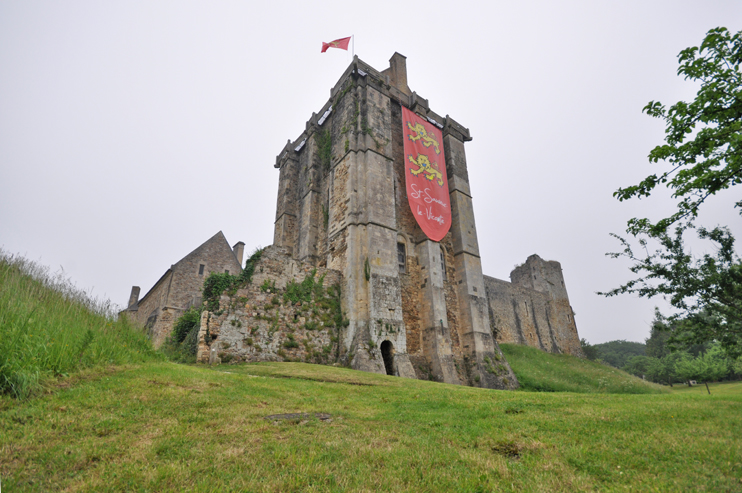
180,287
534,308
148,312
257,323
261,323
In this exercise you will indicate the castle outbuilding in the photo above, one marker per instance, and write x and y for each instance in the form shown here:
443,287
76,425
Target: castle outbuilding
374,196
180,286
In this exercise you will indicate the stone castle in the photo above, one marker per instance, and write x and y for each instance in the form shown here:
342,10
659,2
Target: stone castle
409,306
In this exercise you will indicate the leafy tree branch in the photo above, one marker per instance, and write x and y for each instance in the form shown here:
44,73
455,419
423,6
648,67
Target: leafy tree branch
703,147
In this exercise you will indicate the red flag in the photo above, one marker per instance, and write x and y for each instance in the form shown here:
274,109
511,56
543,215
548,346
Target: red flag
425,175
341,43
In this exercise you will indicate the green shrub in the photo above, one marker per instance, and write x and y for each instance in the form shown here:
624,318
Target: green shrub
245,276
290,343
186,322
304,291
182,345
214,287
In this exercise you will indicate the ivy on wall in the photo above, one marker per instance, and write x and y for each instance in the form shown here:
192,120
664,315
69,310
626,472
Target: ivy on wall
219,282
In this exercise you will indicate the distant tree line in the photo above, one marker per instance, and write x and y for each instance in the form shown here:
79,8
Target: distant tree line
659,361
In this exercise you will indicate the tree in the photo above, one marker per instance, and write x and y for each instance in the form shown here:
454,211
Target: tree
588,350
658,335
718,365
638,365
736,366
703,146
617,353
711,366
712,160
662,370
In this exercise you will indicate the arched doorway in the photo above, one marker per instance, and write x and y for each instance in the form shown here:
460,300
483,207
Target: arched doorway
387,352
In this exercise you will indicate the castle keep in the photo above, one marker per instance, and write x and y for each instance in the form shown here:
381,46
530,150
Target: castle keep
405,305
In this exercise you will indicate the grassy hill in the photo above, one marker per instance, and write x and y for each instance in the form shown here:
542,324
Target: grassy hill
111,415
50,328
545,372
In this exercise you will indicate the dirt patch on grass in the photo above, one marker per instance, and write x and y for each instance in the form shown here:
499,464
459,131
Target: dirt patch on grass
299,417
325,380
511,450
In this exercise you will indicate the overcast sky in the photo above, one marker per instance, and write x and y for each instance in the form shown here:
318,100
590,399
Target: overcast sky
131,132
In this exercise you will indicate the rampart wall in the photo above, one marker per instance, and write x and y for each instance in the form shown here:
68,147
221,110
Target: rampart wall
534,308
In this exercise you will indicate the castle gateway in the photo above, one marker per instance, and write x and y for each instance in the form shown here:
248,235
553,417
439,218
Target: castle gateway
374,198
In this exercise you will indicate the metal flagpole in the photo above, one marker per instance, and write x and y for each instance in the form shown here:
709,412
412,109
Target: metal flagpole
353,44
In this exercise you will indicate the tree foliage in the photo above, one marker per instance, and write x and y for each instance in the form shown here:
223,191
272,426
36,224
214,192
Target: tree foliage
711,366
617,353
638,365
662,370
588,350
703,147
658,335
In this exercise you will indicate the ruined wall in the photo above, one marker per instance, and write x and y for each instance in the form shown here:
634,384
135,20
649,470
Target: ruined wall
534,308
260,322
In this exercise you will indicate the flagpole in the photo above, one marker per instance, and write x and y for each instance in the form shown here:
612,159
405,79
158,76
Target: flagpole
353,44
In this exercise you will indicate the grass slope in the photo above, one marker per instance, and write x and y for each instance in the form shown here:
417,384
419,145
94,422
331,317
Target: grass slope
49,328
149,425
168,427
545,372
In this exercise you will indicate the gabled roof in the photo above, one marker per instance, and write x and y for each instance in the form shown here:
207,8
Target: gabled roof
217,238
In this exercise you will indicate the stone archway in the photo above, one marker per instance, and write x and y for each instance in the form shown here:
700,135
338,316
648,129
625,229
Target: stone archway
387,353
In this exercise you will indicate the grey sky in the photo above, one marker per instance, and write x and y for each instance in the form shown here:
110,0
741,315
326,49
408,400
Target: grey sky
131,132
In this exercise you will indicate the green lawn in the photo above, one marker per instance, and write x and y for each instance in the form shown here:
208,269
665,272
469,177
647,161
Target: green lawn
728,389
167,427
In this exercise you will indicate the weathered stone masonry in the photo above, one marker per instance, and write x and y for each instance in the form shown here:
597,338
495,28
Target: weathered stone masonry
534,308
258,324
415,308
179,288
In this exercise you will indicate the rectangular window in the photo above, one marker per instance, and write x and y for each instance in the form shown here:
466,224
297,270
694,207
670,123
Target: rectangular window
401,258
201,269
226,271
443,266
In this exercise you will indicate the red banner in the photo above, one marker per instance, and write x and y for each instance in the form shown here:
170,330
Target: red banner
425,175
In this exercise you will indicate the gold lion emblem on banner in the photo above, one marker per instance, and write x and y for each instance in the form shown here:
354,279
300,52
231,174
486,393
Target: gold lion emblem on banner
428,169
420,133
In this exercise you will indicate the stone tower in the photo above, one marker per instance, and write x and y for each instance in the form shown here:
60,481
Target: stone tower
416,306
